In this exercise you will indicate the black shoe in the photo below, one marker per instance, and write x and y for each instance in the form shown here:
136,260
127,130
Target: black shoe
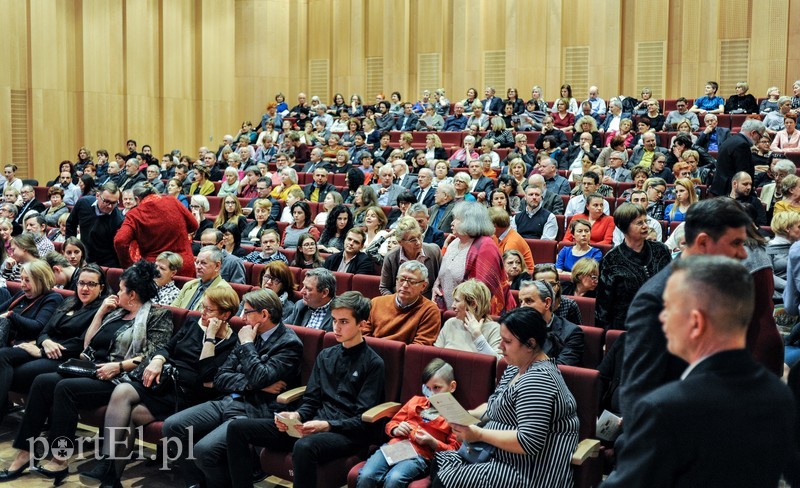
58,477
98,473
7,475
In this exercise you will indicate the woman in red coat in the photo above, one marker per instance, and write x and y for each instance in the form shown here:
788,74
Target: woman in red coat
158,223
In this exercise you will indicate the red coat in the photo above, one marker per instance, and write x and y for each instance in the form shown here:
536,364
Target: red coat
438,428
159,223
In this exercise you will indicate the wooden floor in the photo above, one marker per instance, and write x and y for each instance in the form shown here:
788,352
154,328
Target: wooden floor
139,474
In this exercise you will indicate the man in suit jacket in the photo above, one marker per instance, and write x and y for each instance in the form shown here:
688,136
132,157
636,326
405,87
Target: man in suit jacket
646,152
712,136
425,192
429,235
615,172
351,259
565,343
734,156
441,214
316,191
267,352
480,184
408,120
315,161
492,105
613,117
131,176
29,203
690,432
314,310
575,152
402,177
386,189
209,265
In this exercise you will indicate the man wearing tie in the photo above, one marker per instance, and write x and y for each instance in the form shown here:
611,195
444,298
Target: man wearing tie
408,121
425,192
615,171
208,264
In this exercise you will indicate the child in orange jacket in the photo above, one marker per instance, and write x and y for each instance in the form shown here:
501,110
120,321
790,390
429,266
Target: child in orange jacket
418,422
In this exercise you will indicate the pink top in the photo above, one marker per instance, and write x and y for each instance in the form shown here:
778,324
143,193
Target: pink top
786,143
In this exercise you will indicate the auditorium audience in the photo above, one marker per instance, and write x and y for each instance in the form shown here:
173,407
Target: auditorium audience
307,253
472,329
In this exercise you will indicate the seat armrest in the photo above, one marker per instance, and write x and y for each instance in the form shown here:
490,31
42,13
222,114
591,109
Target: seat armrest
586,448
384,410
291,395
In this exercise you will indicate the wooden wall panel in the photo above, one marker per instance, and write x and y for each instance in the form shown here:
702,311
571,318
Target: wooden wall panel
15,62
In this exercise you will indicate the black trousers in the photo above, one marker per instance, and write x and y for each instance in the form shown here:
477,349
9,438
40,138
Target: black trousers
307,452
18,369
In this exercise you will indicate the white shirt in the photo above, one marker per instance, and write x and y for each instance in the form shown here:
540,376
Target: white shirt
651,222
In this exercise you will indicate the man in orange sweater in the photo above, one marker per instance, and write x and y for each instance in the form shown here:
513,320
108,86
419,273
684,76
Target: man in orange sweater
406,316
507,238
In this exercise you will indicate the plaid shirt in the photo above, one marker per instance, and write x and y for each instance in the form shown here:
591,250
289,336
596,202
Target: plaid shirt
318,316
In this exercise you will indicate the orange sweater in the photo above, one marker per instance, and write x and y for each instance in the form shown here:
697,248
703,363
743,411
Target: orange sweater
418,324
412,412
513,240
602,230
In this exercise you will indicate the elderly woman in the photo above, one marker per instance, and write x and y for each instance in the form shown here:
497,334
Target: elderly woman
587,124
771,193
502,137
530,419
580,229
741,102
585,276
791,195
168,264
478,117
199,206
288,183
411,247
58,341
342,163
441,173
602,225
627,267
462,157
655,188
57,206
157,224
430,120
461,183
126,331
788,139
263,221
191,358
277,276
472,329
472,253
786,226
29,310
230,182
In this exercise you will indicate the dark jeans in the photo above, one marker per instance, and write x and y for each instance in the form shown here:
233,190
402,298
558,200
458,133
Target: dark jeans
307,452
69,395
209,422
18,369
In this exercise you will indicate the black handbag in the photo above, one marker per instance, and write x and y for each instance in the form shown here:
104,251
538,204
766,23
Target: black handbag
77,368
476,452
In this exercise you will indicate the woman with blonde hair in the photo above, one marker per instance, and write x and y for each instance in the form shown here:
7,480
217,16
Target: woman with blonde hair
230,182
587,124
685,197
433,148
585,276
786,226
472,329
791,195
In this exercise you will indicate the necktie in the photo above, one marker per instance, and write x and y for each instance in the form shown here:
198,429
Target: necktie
196,297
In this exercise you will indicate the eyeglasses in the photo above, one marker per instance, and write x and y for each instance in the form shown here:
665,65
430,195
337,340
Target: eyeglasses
409,281
246,312
87,284
195,207
209,310
106,201
593,277
270,278
310,244
230,203
413,240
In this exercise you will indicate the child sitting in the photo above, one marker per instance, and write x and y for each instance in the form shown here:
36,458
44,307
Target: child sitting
418,422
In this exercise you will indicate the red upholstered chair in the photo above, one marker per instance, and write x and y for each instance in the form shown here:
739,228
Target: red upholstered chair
181,280
64,293
592,346
248,271
611,337
241,290
474,374
334,473
586,305
253,274
214,205
342,282
585,387
543,251
368,285
112,278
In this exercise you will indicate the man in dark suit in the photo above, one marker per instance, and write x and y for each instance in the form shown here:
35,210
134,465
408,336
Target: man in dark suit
314,310
402,177
429,235
691,432
712,136
613,117
734,156
351,259
131,175
441,214
99,219
492,105
480,184
408,120
424,192
29,203
316,191
315,161
565,341
575,152
268,352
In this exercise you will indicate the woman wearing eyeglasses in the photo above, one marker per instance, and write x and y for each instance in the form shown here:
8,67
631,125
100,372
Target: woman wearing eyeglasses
585,276
409,236
277,276
59,340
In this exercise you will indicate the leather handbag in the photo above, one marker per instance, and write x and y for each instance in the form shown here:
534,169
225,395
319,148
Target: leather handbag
77,368
476,452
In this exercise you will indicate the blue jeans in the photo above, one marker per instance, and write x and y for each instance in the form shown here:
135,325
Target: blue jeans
377,472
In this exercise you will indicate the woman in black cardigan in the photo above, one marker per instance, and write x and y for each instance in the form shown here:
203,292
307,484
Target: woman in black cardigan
29,310
61,339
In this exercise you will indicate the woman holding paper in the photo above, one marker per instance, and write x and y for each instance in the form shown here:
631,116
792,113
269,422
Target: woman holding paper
530,419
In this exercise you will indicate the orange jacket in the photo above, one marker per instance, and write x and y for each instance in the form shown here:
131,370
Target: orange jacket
412,412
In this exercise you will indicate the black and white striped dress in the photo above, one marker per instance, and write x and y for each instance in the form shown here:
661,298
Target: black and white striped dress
543,411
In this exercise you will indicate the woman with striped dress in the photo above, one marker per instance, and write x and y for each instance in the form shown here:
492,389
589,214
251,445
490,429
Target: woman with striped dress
530,419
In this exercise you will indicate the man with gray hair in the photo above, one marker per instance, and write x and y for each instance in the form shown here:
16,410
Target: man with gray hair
773,121
323,115
232,270
555,182
314,310
131,175
402,177
425,192
406,316
266,360
734,156
565,339
154,178
613,117
441,214
713,135
208,264
387,190
430,235
315,161
616,173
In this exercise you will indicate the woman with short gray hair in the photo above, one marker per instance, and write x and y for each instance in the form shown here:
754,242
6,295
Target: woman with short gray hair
470,252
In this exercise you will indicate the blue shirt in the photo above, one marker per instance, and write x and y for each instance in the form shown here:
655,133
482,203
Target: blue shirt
707,103
566,260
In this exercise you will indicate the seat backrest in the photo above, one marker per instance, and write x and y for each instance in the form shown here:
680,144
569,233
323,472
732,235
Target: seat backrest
368,285
312,345
179,316
584,384
586,305
13,287
474,373
543,251
592,346
254,274
611,337
241,290
112,277
392,353
342,282
181,280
